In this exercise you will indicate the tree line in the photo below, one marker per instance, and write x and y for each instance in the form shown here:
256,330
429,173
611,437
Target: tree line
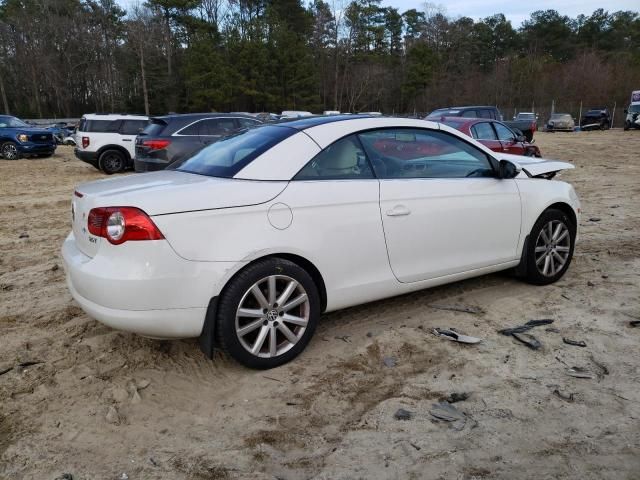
64,58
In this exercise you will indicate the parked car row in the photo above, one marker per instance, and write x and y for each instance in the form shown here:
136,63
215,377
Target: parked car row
19,139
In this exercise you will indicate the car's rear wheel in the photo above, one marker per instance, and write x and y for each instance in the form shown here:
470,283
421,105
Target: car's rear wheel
9,150
112,161
627,125
550,247
268,313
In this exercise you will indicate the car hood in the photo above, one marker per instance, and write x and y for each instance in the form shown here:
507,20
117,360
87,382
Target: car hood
171,191
534,167
31,130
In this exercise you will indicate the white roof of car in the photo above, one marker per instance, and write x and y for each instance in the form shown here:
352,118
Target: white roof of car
113,116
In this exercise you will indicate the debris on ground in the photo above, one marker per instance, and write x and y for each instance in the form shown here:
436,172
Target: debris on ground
590,284
595,219
527,326
634,323
451,334
24,235
389,362
529,340
65,476
344,338
55,268
601,366
457,308
575,343
552,330
402,414
580,372
567,397
458,397
112,416
448,413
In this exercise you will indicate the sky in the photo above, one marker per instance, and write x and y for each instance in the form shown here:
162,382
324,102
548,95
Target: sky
517,11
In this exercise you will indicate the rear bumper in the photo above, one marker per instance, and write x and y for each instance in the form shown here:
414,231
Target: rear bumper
88,157
143,287
147,164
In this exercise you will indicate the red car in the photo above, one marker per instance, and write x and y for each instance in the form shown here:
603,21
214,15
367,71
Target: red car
494,135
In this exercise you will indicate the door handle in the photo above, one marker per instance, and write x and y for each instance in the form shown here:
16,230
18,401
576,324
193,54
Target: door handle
398,211
126,139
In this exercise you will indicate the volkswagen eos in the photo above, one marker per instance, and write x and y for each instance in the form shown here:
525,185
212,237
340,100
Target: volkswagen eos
248,241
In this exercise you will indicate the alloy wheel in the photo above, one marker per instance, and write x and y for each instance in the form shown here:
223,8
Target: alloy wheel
112,163
272,316
10,151
553,246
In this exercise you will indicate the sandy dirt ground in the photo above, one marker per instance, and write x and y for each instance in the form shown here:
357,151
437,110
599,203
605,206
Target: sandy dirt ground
99,403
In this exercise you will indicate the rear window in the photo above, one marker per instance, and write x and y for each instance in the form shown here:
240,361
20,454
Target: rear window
154,128
231,154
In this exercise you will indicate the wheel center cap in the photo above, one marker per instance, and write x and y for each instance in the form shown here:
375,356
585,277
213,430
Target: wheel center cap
272,315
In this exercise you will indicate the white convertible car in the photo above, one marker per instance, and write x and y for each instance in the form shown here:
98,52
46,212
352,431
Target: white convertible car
246,243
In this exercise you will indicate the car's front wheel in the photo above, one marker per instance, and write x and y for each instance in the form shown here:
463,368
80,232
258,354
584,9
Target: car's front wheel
9,150
268,313
550,247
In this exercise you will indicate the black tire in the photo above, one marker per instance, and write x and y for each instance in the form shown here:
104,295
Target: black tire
238,290
112,161
528,135
626,127
9,151
534,273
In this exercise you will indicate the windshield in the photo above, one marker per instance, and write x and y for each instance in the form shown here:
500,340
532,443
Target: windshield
526,116
634,108
11,122
561,116
443,112
231,154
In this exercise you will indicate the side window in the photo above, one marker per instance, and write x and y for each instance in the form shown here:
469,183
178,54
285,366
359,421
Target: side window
192,129
503,132
483,131
102,126
421,153
217,126
247,122
341,160
486,113
132,127
470,114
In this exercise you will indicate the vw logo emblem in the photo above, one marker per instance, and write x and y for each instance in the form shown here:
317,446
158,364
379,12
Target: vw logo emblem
272,315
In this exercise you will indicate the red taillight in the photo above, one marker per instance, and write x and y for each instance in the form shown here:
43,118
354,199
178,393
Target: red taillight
85,142
156,144
121,224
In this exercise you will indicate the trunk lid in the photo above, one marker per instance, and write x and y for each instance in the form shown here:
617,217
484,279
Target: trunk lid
164,192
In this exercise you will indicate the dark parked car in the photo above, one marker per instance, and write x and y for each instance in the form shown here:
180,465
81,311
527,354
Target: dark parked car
527,126
494,135
18,139
172,138
596,119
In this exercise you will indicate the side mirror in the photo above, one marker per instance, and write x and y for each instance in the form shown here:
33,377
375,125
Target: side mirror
521,138
508,169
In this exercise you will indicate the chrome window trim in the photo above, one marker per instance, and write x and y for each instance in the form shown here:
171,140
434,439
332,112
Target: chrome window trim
178,134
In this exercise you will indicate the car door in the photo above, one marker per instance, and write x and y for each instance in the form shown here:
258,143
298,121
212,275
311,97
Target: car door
510,144
443,209
485,134
334,201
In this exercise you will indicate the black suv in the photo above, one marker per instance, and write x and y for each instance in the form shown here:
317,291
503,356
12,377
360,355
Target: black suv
596,119
172,138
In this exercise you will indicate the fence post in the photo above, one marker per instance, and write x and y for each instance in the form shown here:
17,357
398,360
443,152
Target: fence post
613,114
